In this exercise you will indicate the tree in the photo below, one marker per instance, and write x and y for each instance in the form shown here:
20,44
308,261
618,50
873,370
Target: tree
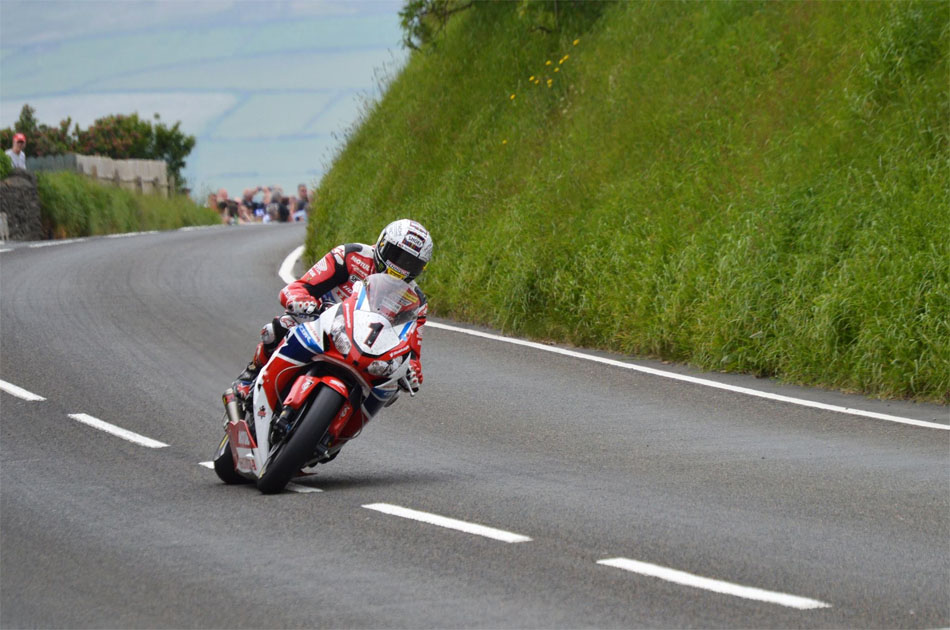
423,20
40,139
173,146
120,137
26,123
116,136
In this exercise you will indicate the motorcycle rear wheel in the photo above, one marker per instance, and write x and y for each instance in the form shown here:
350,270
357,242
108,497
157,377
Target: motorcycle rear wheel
224,464
297,450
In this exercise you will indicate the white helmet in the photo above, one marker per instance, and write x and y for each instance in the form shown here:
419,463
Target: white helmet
403,249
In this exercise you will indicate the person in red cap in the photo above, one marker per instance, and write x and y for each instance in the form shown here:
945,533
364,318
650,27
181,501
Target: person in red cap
17,154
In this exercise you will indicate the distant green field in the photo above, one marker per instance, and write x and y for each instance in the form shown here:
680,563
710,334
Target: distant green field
73,205
755,187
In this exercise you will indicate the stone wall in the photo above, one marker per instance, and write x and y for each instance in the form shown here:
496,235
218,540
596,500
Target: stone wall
20,206
144,176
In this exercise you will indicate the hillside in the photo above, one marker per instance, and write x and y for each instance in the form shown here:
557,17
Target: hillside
749,187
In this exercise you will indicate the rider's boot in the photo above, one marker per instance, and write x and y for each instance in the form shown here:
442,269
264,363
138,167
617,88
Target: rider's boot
242,385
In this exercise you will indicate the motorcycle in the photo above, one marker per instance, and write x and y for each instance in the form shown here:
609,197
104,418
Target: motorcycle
336,373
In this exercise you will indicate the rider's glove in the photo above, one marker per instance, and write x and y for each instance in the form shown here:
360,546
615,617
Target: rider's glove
414,377
302,307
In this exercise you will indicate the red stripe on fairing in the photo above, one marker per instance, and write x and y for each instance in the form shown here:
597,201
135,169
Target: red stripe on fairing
283,371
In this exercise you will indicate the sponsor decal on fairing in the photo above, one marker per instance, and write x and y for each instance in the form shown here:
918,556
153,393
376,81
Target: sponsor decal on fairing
362,264
307,339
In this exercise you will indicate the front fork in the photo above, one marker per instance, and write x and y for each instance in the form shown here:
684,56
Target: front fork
295,403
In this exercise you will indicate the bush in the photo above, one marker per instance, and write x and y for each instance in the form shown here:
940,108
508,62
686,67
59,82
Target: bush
6,165
73,206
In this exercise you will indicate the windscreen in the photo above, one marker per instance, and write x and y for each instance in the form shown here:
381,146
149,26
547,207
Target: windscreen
392,298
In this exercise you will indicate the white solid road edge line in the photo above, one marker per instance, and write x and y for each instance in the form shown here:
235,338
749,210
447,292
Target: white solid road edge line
64,241
697,381
19,392
128,234
450,523
117,431
286,271
717,586
286,274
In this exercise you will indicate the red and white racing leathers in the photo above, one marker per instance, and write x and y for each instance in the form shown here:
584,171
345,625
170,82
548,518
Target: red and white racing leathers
328,282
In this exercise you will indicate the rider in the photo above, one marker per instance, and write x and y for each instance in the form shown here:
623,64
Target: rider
403,250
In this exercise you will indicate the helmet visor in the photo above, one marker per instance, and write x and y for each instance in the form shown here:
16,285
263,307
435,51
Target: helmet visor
400,260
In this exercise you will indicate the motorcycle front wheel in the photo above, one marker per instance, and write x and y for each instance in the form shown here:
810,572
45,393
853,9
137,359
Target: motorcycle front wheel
293,454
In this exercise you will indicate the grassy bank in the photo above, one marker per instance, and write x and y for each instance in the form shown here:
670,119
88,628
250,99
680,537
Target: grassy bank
73,205
748,187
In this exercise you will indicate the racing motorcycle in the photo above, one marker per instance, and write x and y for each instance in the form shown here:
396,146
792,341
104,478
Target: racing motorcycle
352,359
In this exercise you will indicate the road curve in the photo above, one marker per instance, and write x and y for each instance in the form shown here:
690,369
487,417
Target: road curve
519,489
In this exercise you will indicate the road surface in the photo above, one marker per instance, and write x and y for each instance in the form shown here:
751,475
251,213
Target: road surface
608,498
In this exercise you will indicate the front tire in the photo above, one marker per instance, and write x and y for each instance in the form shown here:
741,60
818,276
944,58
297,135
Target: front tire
294,454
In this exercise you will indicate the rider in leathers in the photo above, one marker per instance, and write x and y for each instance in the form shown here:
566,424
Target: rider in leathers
402,250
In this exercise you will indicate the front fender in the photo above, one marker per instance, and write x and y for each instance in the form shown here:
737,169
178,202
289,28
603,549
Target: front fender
306,385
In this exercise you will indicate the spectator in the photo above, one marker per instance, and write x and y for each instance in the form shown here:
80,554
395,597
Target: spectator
272,198
283,210
17,153
255,202
246,206
301,203
221,203
247,199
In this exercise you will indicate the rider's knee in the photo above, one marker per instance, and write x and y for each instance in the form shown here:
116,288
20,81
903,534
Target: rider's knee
274,332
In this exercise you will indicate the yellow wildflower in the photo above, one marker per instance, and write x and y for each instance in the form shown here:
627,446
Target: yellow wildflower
557,69
548,62
505,141
512,97
576,42
550,81
531,78
563,59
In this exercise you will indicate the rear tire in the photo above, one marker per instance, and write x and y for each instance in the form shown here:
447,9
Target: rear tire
294,454
224,464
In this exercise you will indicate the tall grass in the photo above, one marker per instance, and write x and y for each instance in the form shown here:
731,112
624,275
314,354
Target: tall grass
753,186
73,205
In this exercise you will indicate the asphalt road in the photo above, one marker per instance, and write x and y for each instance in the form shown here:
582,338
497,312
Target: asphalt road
589,461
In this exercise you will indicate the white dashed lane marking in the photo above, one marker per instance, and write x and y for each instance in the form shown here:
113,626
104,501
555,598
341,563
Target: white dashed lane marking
19,392
112,429
292,487
709,584
449,523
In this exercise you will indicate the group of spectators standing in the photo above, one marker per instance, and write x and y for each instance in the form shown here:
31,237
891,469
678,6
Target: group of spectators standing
256,205
262,205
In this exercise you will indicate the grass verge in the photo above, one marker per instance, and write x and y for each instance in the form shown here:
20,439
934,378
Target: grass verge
73,206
